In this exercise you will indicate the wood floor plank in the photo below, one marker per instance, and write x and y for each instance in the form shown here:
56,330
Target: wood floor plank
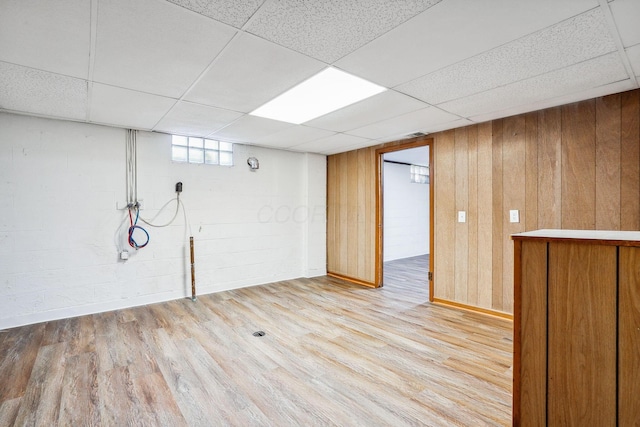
333,353
41,402
18,351
79,405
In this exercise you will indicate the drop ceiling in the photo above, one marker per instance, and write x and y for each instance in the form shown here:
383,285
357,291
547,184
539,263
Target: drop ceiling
198,67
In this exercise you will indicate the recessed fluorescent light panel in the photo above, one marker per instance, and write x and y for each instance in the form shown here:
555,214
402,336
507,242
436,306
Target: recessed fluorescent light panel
327,91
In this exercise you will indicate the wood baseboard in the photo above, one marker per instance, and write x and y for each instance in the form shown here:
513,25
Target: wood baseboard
352,280
488,312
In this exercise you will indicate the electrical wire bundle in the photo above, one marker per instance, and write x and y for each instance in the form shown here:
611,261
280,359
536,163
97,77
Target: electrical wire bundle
133,226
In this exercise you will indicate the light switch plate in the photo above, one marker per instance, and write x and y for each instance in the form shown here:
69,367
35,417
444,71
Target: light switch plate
462,216
514,215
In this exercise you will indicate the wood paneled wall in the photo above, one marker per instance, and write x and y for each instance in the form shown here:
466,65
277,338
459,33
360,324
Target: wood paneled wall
351,215
574,167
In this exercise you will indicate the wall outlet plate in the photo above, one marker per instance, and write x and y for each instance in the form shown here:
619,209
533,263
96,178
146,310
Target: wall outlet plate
462,216
514,215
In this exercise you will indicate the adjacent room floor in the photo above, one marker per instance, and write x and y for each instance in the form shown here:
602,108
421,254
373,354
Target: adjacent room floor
332,353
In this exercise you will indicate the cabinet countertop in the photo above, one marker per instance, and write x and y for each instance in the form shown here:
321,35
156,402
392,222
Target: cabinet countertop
603,237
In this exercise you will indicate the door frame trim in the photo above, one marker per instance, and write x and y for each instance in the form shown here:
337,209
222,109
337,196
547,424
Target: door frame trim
412,143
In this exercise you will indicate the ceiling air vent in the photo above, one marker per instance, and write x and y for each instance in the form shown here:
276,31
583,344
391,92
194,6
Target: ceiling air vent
416,134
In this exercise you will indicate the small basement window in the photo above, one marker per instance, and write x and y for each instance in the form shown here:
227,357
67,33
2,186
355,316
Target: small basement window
201,150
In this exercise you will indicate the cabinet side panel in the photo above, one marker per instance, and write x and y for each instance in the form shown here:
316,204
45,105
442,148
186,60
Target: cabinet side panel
629,337
582,335
533,334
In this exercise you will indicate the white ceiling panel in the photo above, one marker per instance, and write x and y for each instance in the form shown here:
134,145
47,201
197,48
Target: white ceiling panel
616,87
154,46
250,72
627,17
198,67
334,144
451,31
416,121
191,119
127,108
574,40
577,78
329,29
292,136
383,106
232,12
39,92
249,128
633,53
48,35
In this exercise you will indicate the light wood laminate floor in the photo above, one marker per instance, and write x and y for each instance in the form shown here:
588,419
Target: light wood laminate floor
333,354
407,273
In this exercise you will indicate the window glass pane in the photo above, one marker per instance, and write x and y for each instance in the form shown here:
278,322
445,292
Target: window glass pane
226,158
179,140
210,144
196,142
178,154
226,146
211,157
196,155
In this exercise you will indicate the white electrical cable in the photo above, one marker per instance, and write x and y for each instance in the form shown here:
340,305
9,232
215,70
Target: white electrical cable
175,215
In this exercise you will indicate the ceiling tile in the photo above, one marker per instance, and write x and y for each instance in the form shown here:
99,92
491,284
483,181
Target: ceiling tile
591,93
633,53
232,12
626,13
191,119
569,42
416,121
251,72
333,144
248,129
39,92
127,108
292,136
51,35
154,46
383,106
329,29
580,77
451,31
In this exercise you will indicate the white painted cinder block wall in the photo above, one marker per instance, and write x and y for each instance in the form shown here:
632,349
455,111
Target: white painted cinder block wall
60,230
406,214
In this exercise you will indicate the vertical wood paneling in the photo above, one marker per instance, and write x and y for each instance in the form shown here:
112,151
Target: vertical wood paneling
445,215
461,144
530,328
531,172
579,166
629,337
498,215
550,171
630,161
352,213
343,206
562,169
582,388
608,163
485,215
472,276
514,195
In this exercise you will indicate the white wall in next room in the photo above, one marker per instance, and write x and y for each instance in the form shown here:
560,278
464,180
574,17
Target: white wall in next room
406,214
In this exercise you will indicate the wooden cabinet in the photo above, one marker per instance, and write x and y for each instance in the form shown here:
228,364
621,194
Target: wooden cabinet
577,328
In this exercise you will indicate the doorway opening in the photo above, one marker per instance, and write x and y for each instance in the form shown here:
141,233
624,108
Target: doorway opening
405,217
